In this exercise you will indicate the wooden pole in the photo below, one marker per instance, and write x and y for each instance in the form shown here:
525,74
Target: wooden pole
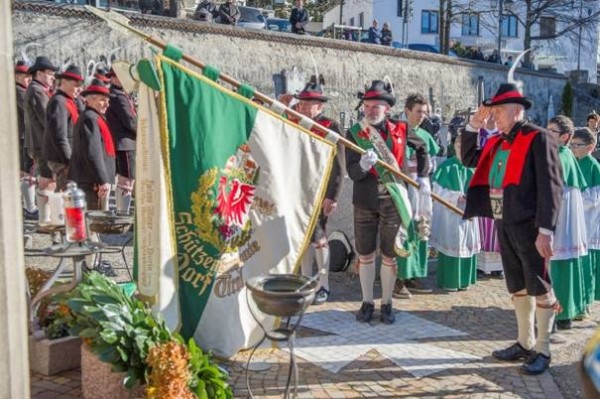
119,20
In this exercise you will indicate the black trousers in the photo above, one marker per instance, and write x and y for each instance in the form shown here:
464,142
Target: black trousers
524,267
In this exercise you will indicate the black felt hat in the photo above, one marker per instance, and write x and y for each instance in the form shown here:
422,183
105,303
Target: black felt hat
41,64
96,87
313,91
72,72
22,67
379,90
508,93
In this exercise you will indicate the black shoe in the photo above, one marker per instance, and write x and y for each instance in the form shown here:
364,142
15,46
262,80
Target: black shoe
30,215
497,274
387,314
512,353
563,324
365,314
416,285
321,296
536,364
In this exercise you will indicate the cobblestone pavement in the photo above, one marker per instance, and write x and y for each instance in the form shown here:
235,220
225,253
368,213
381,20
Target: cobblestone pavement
439,347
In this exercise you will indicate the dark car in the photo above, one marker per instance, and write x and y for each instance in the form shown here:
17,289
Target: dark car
279,24
429,48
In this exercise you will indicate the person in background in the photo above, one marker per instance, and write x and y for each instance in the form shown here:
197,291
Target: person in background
386,35
375,33
22,80
121,117
299,18
229,13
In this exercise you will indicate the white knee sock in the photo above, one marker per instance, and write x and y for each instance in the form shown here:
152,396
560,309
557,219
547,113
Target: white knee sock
388,279
306,262
123,199
367,279
41,197
525,311
545,320
28,195
322,257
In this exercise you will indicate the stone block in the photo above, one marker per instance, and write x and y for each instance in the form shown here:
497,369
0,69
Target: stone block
99,382
53,356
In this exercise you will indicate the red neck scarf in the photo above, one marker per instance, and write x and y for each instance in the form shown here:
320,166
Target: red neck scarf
71,107
109,146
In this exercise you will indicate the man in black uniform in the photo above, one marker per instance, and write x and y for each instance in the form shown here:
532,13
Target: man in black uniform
61,115
22,80
299,18
518,182
92,164
36,99
311,104
377,195
122,121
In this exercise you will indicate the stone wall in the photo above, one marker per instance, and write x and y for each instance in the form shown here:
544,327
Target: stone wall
66,32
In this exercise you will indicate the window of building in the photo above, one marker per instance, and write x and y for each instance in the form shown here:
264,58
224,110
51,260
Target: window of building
361,19
399,7
429,21
547,26
510,26
352,21
470,24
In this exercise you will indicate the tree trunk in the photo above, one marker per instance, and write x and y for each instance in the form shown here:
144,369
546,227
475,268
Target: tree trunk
441,27
447,26
527,38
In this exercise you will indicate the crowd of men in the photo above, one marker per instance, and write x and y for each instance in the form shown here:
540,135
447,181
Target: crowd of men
68,132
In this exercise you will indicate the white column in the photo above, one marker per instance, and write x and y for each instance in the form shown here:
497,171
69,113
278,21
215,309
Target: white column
14,363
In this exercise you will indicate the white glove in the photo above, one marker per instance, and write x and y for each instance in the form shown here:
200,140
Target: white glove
367,160
424,185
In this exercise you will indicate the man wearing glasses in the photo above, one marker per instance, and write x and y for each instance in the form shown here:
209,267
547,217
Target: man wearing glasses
518,182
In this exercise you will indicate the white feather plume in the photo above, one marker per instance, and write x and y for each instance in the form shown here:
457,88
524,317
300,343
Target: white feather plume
511,71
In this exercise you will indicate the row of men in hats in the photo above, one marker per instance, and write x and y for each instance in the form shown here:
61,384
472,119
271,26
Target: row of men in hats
67,132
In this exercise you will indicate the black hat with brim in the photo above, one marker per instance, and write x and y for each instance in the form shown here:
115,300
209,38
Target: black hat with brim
41,63
72,73
379,90
96,87
313,91
508,93
21,67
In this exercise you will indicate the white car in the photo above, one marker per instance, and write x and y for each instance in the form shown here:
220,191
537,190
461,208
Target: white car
251,18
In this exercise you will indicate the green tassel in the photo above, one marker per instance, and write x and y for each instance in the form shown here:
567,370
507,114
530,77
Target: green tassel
246,91
211,72
173,52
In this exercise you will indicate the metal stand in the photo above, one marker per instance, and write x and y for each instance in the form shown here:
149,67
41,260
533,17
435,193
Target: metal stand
286,334
77,252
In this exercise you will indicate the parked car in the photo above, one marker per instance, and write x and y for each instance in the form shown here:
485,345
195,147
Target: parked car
251,18
429,48
279,24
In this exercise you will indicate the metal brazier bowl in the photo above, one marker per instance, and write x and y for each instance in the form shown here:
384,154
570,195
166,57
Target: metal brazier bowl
276,294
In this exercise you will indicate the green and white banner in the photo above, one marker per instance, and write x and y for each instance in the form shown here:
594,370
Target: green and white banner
227,190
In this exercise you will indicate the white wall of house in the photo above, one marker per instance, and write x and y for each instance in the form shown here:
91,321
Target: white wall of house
351,14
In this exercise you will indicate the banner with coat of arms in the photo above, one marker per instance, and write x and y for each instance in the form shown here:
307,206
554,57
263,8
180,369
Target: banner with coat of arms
227,190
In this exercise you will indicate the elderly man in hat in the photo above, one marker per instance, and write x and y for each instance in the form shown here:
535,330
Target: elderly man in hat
311,102
122,121
92,164
377,202
518,182
36,100
22,80
61,115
